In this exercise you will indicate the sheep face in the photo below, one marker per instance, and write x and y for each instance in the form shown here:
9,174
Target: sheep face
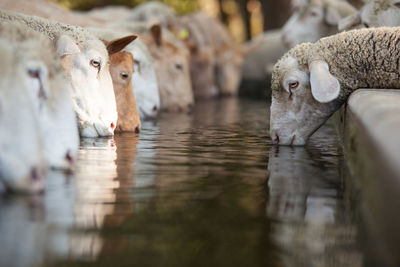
310,21
91,86
22,162
172,70
145,84
230,71
56,114
50,95
302,100
202,73
121,69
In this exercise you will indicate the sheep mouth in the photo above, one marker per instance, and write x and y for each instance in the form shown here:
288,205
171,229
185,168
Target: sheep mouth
146,115
293,139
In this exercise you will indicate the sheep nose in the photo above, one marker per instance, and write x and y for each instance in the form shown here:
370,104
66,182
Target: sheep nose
137,129
35,176
276,140
112,125
155,110
69,157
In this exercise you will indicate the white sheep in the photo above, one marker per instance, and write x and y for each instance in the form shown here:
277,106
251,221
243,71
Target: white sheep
312,81
147,11
84,59
51,97
144,78
374,13
314,19
22,162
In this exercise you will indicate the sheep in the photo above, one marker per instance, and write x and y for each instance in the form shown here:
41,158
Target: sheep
144,79
84,59
147,11
374,13
22,162
229,57
213,50
311,81
314,19
121,69
171,64
52,99
202,58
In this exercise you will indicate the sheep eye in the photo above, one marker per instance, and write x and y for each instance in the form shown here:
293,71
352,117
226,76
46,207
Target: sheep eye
366,25
314,14
33,73
293,85
124,75
178,66
95,63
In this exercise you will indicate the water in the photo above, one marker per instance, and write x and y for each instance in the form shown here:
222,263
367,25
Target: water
206,189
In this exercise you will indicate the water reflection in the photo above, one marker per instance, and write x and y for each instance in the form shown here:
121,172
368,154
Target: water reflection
191,190
95,188
306,197
34,227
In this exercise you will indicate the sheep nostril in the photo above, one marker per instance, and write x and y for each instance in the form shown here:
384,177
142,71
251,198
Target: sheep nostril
35,174
276,140
155,108
137,129
69,157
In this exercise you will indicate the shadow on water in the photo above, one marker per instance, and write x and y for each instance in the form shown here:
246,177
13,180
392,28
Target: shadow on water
205,189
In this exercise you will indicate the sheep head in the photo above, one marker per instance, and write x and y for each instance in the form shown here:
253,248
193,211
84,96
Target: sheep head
304,95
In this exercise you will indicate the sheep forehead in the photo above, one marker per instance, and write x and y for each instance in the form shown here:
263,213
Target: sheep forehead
296,58
98,46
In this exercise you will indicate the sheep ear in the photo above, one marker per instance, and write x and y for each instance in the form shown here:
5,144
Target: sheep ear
332,16
324,86
156,32
349,22
117,45
66,46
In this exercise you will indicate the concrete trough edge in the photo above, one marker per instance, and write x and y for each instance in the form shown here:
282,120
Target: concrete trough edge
369,126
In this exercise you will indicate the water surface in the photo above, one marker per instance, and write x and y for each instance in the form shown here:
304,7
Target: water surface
205,189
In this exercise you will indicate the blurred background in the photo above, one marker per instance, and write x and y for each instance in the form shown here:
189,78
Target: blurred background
244,18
